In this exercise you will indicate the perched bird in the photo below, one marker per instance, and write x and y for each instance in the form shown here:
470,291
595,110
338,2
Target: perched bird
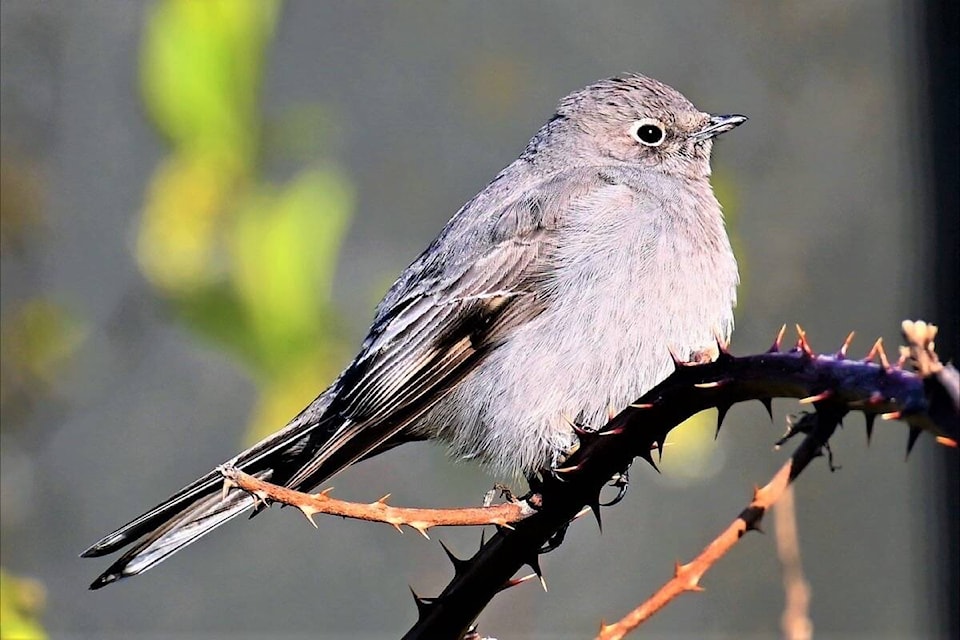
555,293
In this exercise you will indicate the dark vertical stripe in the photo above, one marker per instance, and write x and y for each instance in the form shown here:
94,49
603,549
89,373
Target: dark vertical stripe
940,57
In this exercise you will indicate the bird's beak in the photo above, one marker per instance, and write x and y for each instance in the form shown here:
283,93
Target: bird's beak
719,124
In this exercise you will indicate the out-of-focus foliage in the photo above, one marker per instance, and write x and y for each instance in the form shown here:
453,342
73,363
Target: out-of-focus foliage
248,264
36,340
21,601
37,336
201,69
20,203
694,454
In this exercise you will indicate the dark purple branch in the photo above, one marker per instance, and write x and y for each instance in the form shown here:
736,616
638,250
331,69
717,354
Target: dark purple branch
829,381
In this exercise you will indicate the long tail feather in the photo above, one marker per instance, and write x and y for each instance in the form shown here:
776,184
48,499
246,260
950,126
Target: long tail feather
189,525
200,508
314,441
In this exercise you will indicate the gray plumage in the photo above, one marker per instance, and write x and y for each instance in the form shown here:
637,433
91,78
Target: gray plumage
552,296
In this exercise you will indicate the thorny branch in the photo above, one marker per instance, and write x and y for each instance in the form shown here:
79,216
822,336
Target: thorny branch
875,389
379,511
834,384
920,355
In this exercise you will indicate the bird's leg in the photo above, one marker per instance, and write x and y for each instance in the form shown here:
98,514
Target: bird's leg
554,541
505,492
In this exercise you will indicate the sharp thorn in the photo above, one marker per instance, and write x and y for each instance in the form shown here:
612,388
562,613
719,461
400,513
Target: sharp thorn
612,411
421,529
723,345
708,385
912,439
581,432
648,456
768,405
678,362
584,511
458,563
775,347
659,444
721,414
884,362
595,507
846,345
423,604
308,514
873,350
817,398
870,418
515,581
534,564
802,343
566,469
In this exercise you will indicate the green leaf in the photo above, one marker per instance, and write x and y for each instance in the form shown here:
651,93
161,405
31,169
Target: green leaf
21,601
285,248
201,67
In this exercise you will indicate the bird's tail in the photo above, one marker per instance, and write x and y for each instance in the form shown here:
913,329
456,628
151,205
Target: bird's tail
200,507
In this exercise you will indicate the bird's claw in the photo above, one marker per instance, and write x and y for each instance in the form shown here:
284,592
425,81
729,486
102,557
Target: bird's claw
622,482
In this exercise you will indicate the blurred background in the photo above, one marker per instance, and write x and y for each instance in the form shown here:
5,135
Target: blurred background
203,201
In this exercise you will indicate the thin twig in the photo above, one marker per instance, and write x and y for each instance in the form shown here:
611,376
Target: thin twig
379,511
687,577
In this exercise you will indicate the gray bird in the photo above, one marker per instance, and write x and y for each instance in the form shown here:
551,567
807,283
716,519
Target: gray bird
553,295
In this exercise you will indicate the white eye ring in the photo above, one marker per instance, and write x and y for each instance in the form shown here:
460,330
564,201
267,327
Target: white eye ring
649,132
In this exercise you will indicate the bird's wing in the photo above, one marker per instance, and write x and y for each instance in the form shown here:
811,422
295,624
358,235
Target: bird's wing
434,327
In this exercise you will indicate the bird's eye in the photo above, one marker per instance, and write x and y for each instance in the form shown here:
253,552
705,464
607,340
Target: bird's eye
649,132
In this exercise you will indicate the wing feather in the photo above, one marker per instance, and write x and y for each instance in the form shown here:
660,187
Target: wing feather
421,352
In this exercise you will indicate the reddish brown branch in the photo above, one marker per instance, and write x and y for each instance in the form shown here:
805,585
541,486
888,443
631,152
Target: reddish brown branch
687,577
379,511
